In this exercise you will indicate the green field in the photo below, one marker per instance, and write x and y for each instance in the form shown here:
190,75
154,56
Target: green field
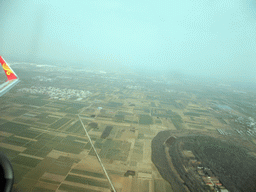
69,110
76,128
15,141
26,121
29,133
119,117
87,181
145,120
196,126
98,143
19,172
14,128
43,152
201,110
114,104
2,121
9,153
29,101
220,119
61,166
177,124
69,145
192,114
176,120
26,161
88,173
38,189
17,112
70,188
115,150
59,123
158,121
30,151
44,118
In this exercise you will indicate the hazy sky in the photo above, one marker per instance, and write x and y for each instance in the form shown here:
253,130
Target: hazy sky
205,37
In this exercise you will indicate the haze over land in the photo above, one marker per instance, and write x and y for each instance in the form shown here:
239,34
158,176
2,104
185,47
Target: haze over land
166,91
151,134
213,38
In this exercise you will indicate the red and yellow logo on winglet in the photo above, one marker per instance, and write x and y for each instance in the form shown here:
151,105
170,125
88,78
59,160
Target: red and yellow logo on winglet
7,69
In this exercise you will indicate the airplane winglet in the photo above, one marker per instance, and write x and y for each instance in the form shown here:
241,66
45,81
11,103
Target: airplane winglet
8,70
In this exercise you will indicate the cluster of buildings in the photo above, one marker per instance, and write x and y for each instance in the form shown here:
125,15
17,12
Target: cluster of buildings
42,78
57,93
246,122
222,132
248,132
46,79
210,180
133,87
